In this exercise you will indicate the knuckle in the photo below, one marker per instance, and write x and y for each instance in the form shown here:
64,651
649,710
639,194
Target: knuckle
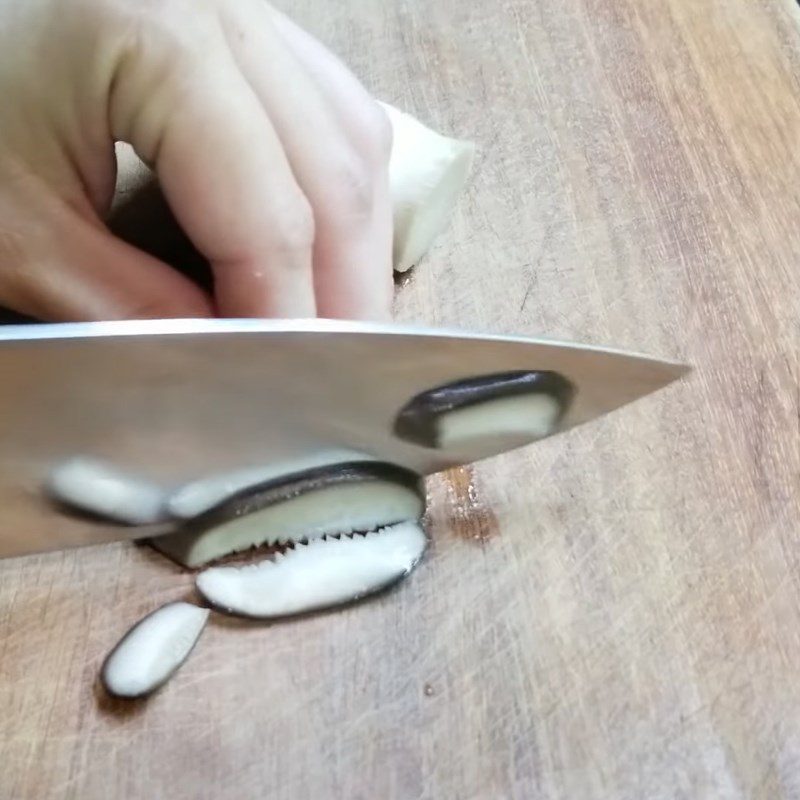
376,133
154,53
293,226
165,33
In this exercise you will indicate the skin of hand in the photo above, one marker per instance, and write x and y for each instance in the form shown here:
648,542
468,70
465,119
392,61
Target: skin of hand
270,153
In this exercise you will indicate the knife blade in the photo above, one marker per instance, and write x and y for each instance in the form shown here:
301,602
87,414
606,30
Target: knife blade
176,400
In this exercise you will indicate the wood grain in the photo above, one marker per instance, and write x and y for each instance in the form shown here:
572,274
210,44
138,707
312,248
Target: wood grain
614,613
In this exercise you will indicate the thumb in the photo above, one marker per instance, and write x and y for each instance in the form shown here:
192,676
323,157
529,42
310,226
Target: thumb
73,269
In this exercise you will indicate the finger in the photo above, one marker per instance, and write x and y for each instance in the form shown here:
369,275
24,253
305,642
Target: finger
346,93
223,171
343,169
327,69
72,269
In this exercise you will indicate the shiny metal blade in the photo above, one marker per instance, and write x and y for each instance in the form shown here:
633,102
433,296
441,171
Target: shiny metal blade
177,400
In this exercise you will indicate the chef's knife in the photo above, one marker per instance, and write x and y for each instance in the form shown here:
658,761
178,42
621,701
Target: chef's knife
181,399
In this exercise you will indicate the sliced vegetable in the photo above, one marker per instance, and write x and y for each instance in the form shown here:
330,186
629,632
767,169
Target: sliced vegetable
427,173
323,573
101,488
517,407
333,499
200,495
151,652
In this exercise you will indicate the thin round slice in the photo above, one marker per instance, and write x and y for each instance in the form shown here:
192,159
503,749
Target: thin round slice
334,499
151,652
427,173
321,574
100,488
198,496
513,407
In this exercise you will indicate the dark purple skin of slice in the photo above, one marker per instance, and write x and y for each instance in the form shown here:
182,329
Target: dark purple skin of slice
285,487
276,490
153,689
417,421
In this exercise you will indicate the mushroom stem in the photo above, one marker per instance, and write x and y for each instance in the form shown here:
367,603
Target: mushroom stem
427,173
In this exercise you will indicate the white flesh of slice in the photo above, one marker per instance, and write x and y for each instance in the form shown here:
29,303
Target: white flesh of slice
153,649
198,496
101,488
511,419
323,573
427,173
331,510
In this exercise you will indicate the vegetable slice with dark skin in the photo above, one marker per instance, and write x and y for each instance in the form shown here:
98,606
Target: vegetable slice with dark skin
329,500
153,650
321,574
523,405
203,493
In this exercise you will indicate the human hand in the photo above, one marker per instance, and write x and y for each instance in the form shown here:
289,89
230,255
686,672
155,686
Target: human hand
271,155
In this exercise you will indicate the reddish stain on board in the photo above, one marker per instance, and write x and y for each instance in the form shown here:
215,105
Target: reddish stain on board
470,517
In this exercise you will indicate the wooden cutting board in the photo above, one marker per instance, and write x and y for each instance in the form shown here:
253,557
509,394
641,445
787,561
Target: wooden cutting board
614,613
